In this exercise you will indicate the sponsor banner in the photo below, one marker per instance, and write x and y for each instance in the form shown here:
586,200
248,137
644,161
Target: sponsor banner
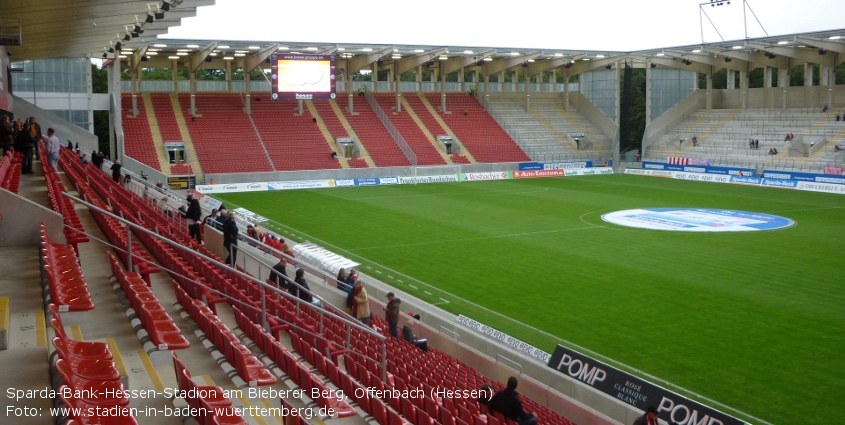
656,173
662,166
726,170
696,220
232,187
746,180
376,181
344,182
833,170
471,177
527,166
637,392
792,184
249,216
533,174
822,187
702,177
680,160
501,336
448,178
809,177
589,171
301,184
206,202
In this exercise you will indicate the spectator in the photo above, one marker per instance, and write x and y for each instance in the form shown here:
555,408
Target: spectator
7,133
334,155
837,117
351,278
694,141
361,306
276,276
466,112
392,314
289,252
211,219
115,171
341,281
84,158
159,185
508,404
222,216
837,148
70,145
649,418
408,335
212,181
484,397
824,108
53,146
299,293
193,215
126,180
34,130
756,143
24,142
230,238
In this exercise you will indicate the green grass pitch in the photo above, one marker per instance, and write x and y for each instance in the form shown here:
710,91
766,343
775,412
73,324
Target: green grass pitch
753,320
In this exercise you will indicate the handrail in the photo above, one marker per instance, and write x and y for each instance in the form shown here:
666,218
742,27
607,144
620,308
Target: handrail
394,133
264,285
518,365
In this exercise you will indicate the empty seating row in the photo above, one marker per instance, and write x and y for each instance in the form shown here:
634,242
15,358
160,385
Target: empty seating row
426,153
210,404
293,141
74,232
477,130
138,138
371,132
10,171
248,367
155,320
63,273
90,382
181,169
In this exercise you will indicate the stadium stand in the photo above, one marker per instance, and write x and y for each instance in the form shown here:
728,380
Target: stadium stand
138,137
223,134
379,144
181,169
477,130
166,117
293,141
426,153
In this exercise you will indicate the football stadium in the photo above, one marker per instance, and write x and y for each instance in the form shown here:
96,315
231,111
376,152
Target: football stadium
224,231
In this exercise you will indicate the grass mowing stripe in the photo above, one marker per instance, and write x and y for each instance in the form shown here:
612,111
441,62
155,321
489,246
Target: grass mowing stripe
728,316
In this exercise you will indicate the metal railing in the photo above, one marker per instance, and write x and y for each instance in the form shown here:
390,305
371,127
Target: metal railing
400,141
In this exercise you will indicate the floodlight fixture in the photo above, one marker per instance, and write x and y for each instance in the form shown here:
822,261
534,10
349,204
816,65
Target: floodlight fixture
165,6
728,60
822,52
149,19
117,46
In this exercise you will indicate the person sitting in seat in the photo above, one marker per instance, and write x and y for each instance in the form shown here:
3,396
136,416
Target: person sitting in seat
408,335
507,403
837,148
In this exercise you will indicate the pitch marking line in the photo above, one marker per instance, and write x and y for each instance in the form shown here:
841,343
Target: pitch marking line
555,337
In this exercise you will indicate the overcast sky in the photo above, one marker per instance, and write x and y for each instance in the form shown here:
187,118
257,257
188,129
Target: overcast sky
615,25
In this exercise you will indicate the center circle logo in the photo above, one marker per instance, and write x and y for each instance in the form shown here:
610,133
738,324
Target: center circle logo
696,220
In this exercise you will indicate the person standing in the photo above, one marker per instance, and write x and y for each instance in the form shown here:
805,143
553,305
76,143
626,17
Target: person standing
7,133
649,418
53,146
34,130
25,143
301,289
508,404
115,171
230,238
361,306
392,314
193,215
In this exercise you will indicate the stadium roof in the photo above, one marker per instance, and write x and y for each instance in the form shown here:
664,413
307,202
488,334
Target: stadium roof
75,28
787,51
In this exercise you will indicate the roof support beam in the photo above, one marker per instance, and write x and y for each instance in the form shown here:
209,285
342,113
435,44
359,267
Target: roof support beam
197,59
254,60
499,65
457,63
410,62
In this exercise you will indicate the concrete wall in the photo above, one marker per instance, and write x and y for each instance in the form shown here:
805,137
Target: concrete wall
20,218
64,129
348,173
606,125
768,98
657,128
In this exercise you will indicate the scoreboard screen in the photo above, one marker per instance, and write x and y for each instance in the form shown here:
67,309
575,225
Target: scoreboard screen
302,77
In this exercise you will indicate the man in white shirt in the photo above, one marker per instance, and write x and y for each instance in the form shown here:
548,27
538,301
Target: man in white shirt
53,146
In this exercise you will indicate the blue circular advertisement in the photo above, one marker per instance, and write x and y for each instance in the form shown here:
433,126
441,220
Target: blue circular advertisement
696,220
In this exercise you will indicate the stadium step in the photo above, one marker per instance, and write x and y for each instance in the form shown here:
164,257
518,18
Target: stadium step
562,138
573,122
190,150
344,163
348,127
443,124
161,153
424,129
